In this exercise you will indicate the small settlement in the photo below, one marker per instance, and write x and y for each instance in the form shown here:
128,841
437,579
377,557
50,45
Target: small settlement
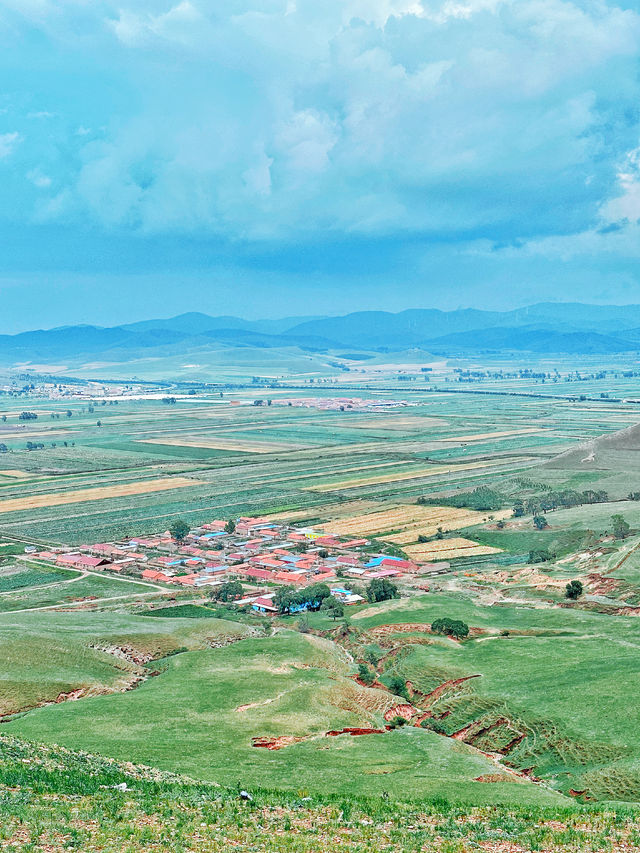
259,551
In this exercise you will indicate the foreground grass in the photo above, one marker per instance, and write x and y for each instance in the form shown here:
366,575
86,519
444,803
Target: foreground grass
53,799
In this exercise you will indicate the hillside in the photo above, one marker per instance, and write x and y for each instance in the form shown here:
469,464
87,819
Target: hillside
615,451
531,339
55,799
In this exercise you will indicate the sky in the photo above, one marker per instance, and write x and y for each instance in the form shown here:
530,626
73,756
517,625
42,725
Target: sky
272,158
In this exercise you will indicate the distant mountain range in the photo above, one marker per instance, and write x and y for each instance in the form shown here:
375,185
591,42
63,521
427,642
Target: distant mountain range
574,328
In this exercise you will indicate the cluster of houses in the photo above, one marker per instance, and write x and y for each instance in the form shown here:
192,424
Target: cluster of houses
357,404
259,551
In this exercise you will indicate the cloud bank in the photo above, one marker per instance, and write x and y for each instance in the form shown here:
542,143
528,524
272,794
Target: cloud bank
268,119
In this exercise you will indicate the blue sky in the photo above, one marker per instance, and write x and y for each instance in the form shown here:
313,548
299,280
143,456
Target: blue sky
278,157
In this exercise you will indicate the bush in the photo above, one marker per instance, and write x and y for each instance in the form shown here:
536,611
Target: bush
574,590
398,686
434,726
539,555
451,627
365,675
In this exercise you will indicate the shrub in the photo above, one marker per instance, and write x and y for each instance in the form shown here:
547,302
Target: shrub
365,675
397,685
434,726
574,590
451,627
539,555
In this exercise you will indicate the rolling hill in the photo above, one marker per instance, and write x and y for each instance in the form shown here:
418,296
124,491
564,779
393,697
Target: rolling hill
545,328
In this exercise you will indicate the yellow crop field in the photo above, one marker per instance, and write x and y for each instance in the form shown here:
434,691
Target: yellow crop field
448,549
96,494
449,519
405,517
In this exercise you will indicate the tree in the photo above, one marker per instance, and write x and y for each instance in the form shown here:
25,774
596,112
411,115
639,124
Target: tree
179,529
540,522
99,423
574,590
229,591
620,527
333,607
285,599
381,589
539,555
230,526
451,627
316,594
518,509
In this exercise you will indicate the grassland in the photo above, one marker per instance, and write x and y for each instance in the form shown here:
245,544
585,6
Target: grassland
55,799
210,704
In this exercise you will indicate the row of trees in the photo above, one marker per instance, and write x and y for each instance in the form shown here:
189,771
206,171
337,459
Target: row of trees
481,498
554,500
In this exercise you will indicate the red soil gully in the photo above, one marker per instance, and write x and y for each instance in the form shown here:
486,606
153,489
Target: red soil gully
356,731
440,689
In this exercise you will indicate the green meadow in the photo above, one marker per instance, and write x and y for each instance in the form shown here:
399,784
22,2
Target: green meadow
199,715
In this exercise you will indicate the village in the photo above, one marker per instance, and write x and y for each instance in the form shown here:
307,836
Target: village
263,553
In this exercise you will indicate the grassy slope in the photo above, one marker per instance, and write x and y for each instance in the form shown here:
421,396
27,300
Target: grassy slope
47,653
53,799
563,677
186,720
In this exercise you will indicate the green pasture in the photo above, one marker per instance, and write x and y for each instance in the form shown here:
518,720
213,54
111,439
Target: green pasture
565,676
193,718
48,653
37,591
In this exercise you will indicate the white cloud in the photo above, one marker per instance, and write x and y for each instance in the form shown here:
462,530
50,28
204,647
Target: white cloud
277,117
626,206
181,23
39,179
8,142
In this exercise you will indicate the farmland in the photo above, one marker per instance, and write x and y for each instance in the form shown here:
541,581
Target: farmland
527,709
147,462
